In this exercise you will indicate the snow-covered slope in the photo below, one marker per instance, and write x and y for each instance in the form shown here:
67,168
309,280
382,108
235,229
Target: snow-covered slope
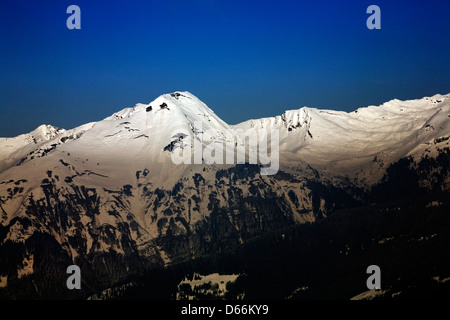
131,138
15,148
36,144
350,143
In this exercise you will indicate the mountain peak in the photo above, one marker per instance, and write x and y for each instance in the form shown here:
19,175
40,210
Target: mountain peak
46,132
181,105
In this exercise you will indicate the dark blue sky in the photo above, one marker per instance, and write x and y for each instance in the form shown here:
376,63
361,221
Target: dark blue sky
245,59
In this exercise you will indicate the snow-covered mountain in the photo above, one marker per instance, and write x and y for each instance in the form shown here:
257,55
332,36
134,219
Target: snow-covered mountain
137,134
347,143
335,141
107,195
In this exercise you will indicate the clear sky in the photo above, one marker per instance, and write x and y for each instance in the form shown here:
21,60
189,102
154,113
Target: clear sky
245,59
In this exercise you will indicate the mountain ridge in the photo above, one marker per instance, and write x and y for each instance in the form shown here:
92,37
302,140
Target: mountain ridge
338,142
